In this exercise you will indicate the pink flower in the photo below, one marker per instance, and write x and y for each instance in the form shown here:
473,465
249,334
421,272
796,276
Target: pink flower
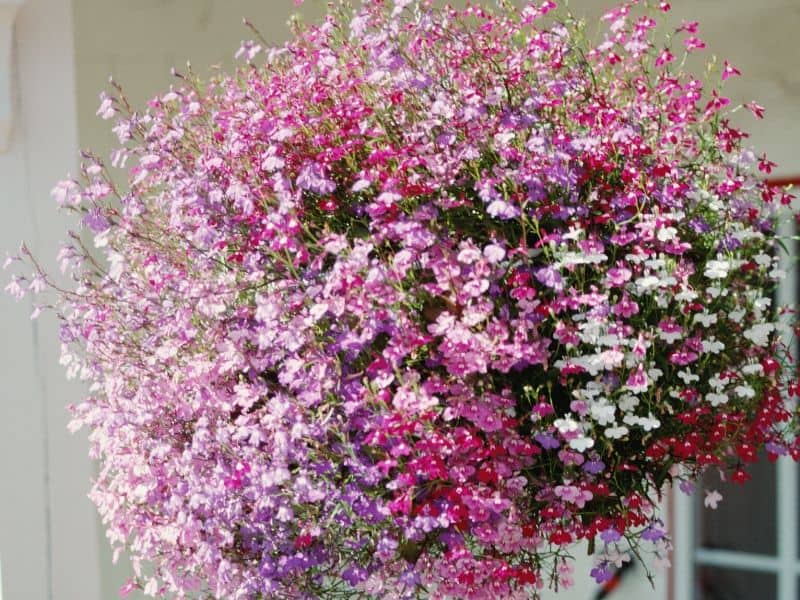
638,382
626,307
756,109
682,357
618,276
694,43
729,71
664,58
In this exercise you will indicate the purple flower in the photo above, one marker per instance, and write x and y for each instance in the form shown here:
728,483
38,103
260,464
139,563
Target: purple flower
729,243
699,225
653,533
595,466
547,441
777,449
96,220
602,572
312,177
550,277
609,536
355,574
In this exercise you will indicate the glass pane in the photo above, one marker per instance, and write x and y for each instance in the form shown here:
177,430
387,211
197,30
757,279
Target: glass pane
730,584
744,520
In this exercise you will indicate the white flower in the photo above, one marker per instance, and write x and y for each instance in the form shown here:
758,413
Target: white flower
609,340
668,281
717,269
647,423
670,336
503,139
762,303
747,234
634,258
712,499
646,284
744,391
706,319
317,311
101,239
628,402
717,383
763,260
611,359
737,315
713,346
686,295
502,210
759,333
116,265
613,555
592,389
716,292
616,432
753,369
582,258
566,425
688,377
360,185
666,234
777,273
581,443
715,399
603,413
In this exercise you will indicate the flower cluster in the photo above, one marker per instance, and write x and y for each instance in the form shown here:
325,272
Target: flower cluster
419,300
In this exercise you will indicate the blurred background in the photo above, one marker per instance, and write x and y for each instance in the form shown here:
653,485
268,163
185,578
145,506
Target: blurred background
55,58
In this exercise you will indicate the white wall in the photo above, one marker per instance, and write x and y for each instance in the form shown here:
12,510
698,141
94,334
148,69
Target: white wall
47,525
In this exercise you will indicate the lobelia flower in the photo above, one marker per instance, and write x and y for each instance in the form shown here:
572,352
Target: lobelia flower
418,301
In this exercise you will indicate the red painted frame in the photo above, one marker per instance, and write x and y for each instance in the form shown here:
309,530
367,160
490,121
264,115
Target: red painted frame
784,181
